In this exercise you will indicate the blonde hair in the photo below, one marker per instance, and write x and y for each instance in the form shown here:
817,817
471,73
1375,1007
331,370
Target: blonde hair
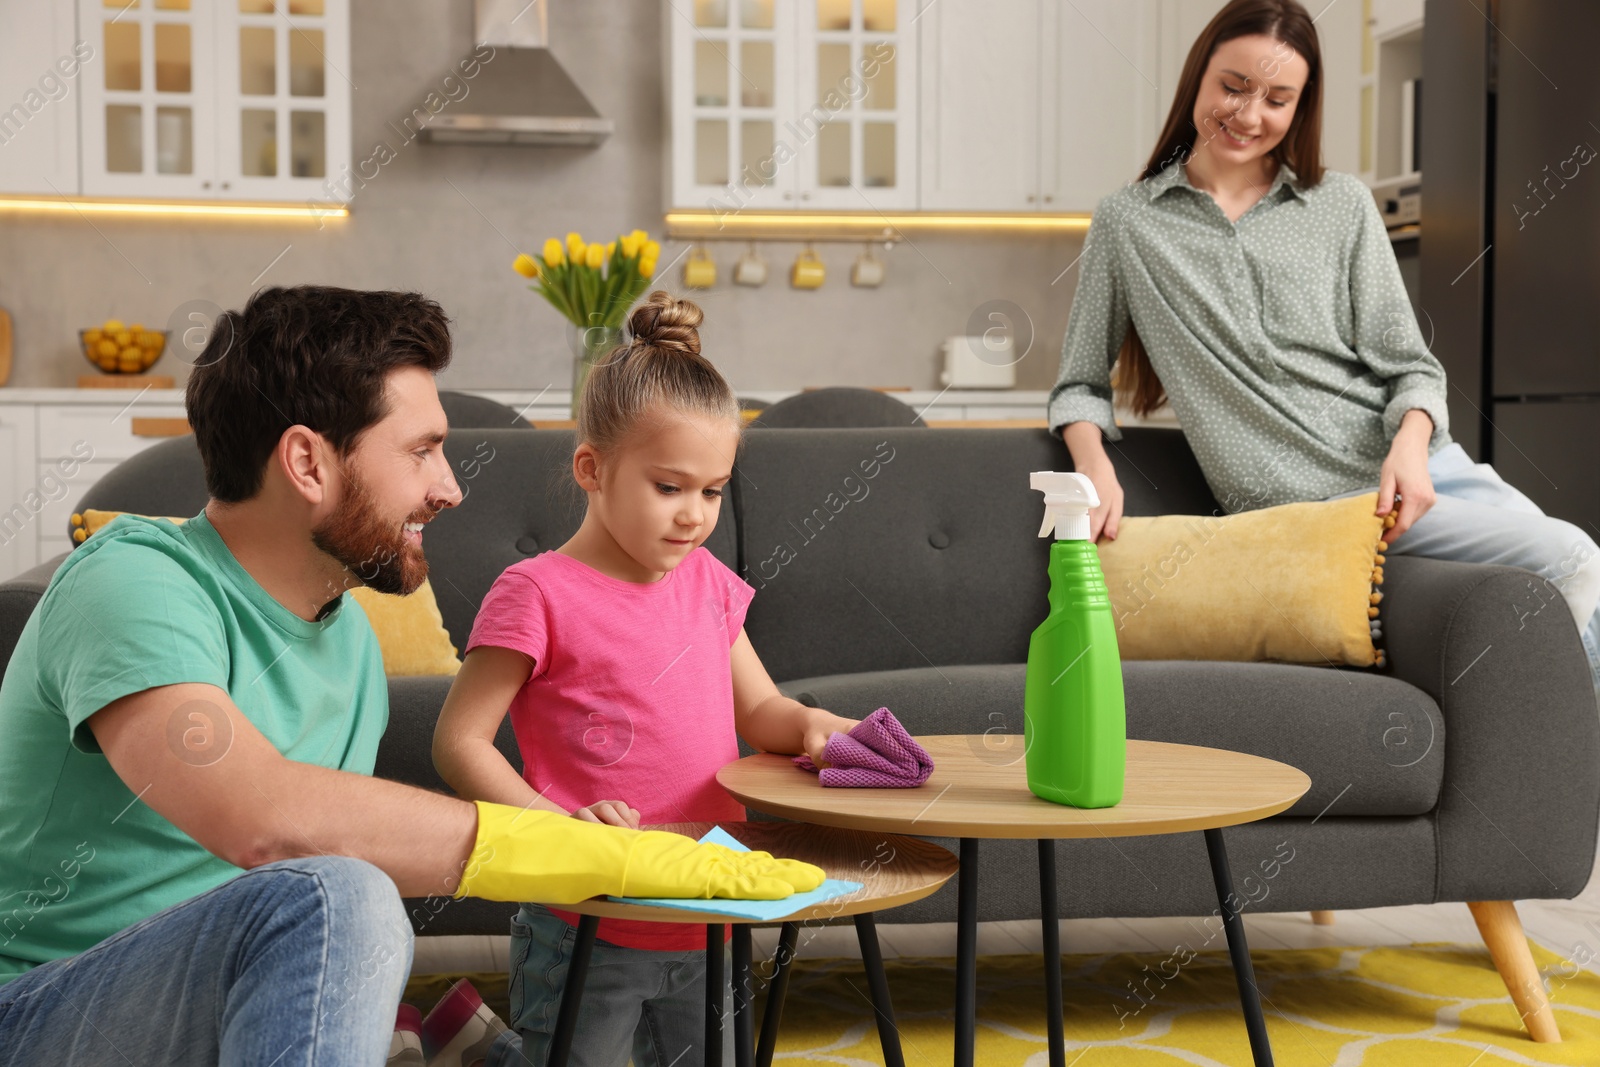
660,367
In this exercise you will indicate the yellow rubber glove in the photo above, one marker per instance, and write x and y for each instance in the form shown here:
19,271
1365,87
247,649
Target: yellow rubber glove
525,854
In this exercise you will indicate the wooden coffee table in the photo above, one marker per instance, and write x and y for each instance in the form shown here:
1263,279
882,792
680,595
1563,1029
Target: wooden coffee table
892,870
979,790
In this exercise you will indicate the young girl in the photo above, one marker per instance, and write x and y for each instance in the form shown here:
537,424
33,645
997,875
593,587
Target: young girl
623,661
1260,295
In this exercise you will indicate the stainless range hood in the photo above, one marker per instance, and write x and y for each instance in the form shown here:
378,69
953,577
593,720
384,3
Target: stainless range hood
521,96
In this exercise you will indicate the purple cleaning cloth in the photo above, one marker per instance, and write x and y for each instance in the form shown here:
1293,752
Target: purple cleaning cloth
876,754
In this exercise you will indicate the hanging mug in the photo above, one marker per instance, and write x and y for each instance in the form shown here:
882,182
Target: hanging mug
867,271
808,271
699,270
751,269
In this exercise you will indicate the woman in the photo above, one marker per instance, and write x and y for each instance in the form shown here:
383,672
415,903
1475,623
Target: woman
1259,295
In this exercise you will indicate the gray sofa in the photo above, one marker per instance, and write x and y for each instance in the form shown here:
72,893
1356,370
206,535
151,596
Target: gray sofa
901,567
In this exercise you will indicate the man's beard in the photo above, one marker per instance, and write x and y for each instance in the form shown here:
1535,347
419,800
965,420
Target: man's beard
374,551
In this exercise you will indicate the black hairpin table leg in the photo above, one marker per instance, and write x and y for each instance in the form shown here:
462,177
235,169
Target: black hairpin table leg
572,992
716,982
967,953
1243,972
743,1010
878,984
1050,927
782,960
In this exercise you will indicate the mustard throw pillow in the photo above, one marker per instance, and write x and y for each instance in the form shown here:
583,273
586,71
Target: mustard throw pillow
1291,584
410,630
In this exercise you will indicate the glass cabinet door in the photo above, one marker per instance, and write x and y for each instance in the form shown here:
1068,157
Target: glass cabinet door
283,70
732,84
856,116
148,112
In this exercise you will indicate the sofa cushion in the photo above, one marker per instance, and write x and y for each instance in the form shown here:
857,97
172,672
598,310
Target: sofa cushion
1372,745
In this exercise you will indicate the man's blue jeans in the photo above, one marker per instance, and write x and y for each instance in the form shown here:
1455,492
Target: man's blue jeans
1478,518
291,964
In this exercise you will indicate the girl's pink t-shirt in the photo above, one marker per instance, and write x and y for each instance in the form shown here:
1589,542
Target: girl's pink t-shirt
631,696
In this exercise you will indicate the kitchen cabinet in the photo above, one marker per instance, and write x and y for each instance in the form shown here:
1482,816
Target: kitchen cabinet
1101,99
177,99
981,107
18,515
55,444
1389,17
780,104
245,100
42,65
1037,106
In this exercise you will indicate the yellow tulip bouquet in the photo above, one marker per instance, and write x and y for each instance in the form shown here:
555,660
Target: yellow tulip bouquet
592,286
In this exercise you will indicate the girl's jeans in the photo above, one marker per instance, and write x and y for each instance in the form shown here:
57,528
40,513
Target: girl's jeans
298,963
639,1002
1478,518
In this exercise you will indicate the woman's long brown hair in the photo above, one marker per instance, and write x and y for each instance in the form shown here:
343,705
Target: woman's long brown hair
1137,387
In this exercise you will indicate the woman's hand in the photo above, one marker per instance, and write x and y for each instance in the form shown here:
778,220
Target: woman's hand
1083,440
1108,516
611,813
1405,473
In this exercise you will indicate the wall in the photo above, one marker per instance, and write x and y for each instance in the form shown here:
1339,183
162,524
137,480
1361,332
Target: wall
447,220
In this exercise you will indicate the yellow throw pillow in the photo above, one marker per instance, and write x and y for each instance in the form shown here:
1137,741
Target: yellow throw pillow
411,633
1290,584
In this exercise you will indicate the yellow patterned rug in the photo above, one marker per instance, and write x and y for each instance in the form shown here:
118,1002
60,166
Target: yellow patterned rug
1417,1006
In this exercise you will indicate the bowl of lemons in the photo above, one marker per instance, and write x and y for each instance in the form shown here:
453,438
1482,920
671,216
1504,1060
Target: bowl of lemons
119,348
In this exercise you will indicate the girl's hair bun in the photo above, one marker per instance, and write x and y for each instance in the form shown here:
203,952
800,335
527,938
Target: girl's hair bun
661,370
667,323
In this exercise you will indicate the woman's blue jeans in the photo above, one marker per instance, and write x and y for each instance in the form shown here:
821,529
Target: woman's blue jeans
291,964
1478,518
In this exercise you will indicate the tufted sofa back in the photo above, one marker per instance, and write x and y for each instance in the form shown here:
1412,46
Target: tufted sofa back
870,549
878,549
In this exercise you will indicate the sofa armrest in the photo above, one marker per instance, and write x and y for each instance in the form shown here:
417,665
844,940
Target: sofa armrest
1497,649
18,597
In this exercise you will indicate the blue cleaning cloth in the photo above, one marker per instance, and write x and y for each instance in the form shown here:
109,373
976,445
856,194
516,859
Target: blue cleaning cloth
756,910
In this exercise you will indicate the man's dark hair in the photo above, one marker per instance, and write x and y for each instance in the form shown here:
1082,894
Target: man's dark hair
310,355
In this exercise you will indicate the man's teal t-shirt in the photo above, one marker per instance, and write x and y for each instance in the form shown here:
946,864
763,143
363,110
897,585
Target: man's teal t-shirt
147,603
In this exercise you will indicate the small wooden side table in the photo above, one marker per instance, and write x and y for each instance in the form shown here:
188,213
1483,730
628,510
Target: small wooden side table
979,789
892,870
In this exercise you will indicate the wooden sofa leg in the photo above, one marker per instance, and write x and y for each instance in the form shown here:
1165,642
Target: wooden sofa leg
1508,947
1322,918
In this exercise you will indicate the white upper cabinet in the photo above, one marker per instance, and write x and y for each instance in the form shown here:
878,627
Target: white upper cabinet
42,66
1101,98
180,99
982,89
732,84
792,104
1392,16
1036,105
856,125
283,97
149,102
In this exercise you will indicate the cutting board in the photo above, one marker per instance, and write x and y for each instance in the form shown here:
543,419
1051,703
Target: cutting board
5,345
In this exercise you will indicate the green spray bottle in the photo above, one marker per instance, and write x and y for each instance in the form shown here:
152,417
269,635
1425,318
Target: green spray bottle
1075,722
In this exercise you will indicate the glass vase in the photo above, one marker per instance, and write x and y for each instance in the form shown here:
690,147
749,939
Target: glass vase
589,346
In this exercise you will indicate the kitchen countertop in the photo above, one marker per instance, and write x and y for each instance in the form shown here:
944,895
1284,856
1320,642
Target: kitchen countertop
942,404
